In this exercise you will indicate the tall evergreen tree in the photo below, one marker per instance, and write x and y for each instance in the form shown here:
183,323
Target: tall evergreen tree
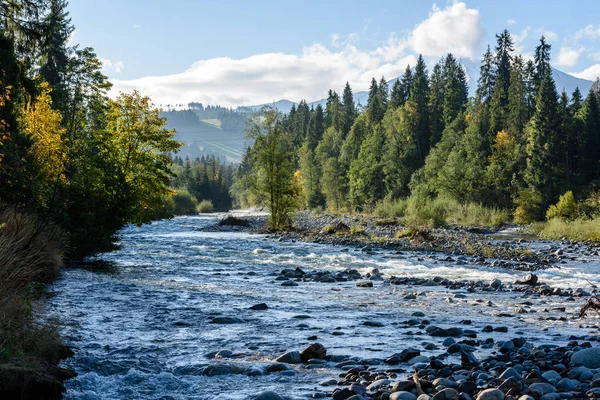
487,78
315,128
383,93
54,62
349,108
544,173
541,59
395,95
590,150
419,95
456,91
437,94
375,107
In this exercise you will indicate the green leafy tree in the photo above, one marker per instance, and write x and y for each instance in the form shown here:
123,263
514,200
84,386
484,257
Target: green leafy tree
274,167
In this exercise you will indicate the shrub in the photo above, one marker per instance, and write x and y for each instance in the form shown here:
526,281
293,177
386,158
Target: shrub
329,229
390,208
565,209
422,210
205,206
528,206
184,203
357,230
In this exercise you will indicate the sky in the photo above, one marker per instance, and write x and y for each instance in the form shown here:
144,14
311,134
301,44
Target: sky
231,53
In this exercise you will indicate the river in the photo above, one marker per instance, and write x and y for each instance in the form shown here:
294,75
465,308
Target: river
140,324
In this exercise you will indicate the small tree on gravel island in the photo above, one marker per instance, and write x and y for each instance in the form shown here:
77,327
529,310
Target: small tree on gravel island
274,167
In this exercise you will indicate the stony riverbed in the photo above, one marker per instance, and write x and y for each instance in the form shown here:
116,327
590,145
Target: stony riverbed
185,311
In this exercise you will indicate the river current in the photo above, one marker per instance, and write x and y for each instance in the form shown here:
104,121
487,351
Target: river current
140,324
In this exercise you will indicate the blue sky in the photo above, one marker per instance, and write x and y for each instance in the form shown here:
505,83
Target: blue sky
245,52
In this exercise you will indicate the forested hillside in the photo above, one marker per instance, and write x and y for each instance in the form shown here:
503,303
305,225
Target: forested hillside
209,131
517,144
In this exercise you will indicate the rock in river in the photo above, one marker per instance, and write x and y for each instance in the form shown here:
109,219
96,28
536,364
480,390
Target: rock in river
315,350
587,357
291,357
491,394
267,396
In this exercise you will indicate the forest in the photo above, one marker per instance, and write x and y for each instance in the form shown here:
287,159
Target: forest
424,147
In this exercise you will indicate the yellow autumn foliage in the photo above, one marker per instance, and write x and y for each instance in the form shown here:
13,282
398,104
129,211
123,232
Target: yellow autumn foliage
42,124
502,141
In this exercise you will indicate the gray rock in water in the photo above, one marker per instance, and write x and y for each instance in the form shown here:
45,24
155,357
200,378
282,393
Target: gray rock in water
214,370
267,396
315,350
289,283
447,383
375,324
227,320
491,394
402,396
510,372
446,394
530,279
567,384
277,367
291,357
543,388
496,283
551,376
377,384
259,307
589,358
224,354
364,284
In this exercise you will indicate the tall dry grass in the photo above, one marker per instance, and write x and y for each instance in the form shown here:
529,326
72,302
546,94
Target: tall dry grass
31,255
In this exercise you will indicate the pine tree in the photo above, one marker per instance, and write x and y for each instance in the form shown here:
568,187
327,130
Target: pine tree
419,95
395,95
590,150
57,29
375,110
383,93
315,128
487,78
544,174
437,93
541,59
349,109
456,91
500,96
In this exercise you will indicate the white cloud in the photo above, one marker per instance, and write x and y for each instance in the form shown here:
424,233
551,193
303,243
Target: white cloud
267,77
594,56
112,66
263,78
520,38
511,21
456,29
589,32
568,57
548,34
137,26
591,73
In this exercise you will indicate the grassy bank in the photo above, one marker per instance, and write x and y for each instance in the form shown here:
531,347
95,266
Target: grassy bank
439,212
30,257
578,230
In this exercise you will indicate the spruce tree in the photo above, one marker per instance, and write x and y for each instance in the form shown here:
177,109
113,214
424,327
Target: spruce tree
456,91
544,174
315,128
406,85
375,107
395,95
437,93
54,62
349,108
419,95
541,59
590,150
487,79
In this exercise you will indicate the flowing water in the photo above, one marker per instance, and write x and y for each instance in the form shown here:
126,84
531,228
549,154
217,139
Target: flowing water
141,327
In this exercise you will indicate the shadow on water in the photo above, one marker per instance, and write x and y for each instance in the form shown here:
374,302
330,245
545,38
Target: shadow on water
97,266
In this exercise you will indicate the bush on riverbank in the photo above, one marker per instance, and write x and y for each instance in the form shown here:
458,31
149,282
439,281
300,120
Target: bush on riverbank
205,206
182,203
417,210
31,255
579,230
